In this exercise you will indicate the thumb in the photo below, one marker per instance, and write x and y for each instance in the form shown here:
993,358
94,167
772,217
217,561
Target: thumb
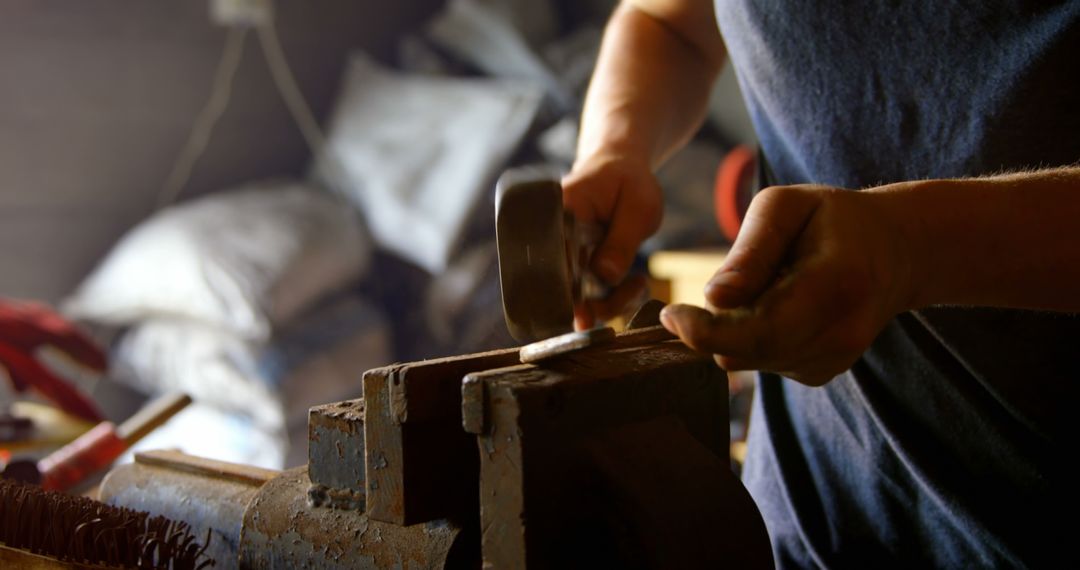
776,217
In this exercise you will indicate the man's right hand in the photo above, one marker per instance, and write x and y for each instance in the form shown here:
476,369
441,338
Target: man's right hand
648,96
619,193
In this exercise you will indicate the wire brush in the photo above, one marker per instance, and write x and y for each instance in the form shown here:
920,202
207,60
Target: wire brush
83,531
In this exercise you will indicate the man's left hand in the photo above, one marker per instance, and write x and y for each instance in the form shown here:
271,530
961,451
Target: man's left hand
813,277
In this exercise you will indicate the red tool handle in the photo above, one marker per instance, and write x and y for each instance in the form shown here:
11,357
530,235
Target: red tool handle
91,452
97,448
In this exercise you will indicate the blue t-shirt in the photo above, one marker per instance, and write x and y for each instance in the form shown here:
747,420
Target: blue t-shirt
950,442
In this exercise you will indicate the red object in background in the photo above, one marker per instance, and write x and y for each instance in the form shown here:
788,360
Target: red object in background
90,453
94,450
732,193
26,326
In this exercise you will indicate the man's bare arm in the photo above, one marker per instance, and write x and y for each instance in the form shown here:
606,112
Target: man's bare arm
817,272
1003,241
648,96
650,90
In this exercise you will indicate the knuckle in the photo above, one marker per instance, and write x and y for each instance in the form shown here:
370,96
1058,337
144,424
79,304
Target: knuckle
773,196
771,193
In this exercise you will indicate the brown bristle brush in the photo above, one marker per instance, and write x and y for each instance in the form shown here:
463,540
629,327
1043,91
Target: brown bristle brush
45,529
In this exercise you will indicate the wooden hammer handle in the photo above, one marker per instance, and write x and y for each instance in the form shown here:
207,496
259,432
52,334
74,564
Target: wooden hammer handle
151,416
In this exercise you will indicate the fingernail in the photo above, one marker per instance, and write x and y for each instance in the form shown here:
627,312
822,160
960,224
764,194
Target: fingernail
669,316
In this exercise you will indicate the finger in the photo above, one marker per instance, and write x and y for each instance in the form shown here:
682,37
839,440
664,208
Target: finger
637,215
590,195
791,330
774,220
779,330
583,317
630,205
727,332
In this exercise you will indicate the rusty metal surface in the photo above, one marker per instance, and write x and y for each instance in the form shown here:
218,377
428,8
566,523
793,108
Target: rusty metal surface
384,444
647,315
281,530
427,391
210,496
545,501
642,337
264,519
336,450
418,458
552,465
704,497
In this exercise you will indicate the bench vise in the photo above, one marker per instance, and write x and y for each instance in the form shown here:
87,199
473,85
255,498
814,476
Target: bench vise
615,455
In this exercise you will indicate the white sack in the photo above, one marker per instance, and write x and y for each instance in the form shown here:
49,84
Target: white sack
416,152
242,260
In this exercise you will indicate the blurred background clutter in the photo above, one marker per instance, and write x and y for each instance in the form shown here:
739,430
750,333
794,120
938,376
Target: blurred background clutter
253,202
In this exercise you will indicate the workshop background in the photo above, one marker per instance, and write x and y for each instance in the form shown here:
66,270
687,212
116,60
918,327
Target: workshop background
256,216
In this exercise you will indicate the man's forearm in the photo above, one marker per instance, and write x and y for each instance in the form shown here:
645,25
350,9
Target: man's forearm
1002,241
650,89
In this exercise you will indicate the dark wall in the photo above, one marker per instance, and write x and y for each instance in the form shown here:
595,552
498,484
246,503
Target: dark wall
98,96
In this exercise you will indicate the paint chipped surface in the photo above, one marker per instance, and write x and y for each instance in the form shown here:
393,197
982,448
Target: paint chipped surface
336,445
282,530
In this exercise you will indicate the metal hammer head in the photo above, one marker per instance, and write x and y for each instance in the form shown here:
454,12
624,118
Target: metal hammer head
535,267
